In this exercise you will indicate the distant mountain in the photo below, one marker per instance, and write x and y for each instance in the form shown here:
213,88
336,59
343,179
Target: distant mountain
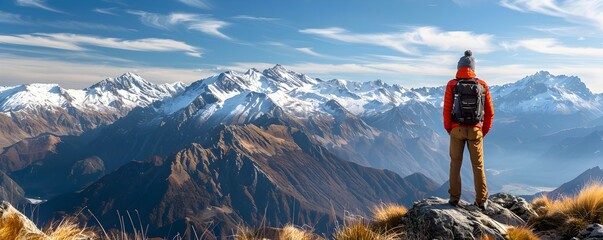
574,186
544,93
32,109
583,147
242,175
273,96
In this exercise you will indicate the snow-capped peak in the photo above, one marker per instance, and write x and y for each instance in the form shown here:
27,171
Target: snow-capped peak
126,81
288,79
112,94
546,93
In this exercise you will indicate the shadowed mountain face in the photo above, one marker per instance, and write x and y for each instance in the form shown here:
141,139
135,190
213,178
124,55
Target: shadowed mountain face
243,174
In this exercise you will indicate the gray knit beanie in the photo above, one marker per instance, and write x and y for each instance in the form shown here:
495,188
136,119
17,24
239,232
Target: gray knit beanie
467,60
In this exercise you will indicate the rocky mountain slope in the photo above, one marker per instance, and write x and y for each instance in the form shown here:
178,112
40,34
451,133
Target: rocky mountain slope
242,175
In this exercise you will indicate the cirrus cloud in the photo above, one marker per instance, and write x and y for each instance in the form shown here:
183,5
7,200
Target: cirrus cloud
408,42
37,4
77,42
553,47
197,22
575,11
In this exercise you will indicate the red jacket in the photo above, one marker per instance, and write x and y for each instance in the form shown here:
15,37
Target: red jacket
466,72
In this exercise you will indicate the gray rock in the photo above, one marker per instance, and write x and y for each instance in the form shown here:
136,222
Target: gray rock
592,232
517,205
10,191
434,218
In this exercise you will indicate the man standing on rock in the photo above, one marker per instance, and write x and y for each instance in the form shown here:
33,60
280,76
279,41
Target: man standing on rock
468,115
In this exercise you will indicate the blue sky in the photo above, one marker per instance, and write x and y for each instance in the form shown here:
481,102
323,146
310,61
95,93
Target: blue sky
410,42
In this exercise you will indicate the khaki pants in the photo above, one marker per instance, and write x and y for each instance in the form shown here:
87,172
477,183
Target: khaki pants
473,136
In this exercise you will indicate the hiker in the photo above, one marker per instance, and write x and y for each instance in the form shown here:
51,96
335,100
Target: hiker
468,115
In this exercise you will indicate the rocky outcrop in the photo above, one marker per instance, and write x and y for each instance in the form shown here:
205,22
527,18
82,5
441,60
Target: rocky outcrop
517,205
593,232
434,218
10,191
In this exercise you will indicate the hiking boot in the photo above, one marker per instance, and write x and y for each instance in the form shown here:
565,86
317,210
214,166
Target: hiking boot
483,206
453,203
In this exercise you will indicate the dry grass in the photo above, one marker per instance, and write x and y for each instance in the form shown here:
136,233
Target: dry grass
387,217
587,205
541,205
569,215
521,233
245,233
68,229
359,230
15,225
291,232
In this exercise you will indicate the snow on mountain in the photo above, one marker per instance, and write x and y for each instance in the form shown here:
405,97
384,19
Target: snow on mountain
546,93
114,94
295,93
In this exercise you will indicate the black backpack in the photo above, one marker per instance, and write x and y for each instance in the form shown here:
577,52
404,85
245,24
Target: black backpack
469,99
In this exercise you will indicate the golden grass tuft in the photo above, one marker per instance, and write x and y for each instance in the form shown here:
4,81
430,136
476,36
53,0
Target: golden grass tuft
68,229
569,215
387,217
15,225
587,205
359,230
541,205
291,232
521,233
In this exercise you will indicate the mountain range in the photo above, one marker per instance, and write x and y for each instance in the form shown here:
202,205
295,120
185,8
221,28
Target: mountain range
272,145
32,109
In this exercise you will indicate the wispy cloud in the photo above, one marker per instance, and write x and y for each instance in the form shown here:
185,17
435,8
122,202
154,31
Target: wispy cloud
554,47
560,31
12,18
77,25
20,70
203,4
197,22
576,11
309,51
409,41
37,4
253,18
76,42
108,11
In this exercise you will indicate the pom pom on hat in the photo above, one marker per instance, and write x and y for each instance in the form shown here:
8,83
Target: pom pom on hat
467,61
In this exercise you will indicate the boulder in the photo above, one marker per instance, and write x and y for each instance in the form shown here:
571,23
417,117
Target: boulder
592,232
434,218
517,205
